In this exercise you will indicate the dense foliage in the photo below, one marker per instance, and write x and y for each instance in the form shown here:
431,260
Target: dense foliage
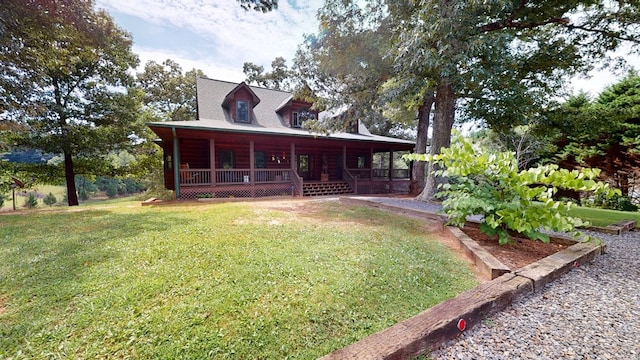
66,83
169,93
280,77
490,184
498,61
259,5
603,132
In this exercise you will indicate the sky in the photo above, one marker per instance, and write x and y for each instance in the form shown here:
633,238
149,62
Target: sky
218,36
215,36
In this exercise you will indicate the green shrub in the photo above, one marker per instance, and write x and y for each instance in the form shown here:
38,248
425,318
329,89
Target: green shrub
83,194
50,199
490,184
31,201
111,189
615,202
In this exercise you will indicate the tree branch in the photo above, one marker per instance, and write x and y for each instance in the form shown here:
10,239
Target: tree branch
610,34
510,24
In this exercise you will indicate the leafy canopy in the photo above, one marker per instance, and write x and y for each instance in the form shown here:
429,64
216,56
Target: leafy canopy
169,94
67,68
490,184
603,132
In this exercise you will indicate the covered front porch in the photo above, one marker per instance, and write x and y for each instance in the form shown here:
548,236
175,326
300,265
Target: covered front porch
215,164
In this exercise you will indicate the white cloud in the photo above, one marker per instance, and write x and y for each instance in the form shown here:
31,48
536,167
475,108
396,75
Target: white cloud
218,36
232,35
208,66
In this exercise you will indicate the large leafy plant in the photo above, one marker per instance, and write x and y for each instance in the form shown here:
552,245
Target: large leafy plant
490,184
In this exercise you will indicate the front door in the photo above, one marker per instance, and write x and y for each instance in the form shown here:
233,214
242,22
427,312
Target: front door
305,166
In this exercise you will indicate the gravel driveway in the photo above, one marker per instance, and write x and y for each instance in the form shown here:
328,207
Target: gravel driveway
593,312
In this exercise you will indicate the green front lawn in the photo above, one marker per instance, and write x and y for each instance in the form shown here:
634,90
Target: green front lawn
237,280
603,217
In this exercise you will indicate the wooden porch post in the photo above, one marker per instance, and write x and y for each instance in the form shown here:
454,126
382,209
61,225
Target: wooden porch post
371,164
293,157
252,165
252,162
344,157
212,161
391,170
176,163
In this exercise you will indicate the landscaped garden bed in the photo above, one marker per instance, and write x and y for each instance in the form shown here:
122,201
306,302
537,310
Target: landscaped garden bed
519,253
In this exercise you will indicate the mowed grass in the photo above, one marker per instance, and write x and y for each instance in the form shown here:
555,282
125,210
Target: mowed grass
603,217
235,280
58,191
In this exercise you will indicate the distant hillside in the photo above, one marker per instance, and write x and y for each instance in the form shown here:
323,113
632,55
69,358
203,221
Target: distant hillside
31,156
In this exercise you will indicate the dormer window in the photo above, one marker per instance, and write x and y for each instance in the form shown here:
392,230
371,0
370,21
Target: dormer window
352,127
240,103
242,111
297,118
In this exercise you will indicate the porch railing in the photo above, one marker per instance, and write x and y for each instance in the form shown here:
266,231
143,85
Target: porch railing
199,177
351,180
233,176
396,173
297,182
195,177
272,175
400,173
362,174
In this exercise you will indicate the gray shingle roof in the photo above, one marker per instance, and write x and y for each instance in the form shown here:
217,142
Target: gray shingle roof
213,116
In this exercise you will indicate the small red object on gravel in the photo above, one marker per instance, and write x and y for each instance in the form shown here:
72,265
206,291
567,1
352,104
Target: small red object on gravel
462,324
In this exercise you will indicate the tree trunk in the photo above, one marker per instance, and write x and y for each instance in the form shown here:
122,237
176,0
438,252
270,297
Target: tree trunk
418,167
443,119
69,175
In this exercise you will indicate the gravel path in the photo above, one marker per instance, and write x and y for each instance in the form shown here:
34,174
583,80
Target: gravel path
593,312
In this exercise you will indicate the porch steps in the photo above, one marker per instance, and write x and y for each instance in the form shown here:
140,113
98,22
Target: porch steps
326,188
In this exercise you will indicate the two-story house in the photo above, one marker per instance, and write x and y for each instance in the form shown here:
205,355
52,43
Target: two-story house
248,141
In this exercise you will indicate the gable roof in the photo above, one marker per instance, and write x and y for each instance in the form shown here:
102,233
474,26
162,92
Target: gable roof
213,116
231,95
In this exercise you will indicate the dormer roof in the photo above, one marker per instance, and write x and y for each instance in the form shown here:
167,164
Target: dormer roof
232,94
285,103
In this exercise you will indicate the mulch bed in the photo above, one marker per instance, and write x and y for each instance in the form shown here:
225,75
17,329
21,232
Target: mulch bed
518,254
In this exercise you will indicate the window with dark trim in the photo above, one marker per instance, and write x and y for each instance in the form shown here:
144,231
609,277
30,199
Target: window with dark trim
260,160
352,127
227,160
242,111
295,120
362,162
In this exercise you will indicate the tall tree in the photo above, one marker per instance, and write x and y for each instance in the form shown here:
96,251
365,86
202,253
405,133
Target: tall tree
169,94
346,64
279,78
68,69
497,51
603,133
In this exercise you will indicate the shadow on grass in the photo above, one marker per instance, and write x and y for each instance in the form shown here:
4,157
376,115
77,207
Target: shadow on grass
44,259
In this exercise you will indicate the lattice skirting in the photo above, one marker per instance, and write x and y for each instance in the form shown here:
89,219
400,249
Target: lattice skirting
233,191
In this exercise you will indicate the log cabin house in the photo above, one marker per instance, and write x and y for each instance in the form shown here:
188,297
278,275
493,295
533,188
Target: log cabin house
248,141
